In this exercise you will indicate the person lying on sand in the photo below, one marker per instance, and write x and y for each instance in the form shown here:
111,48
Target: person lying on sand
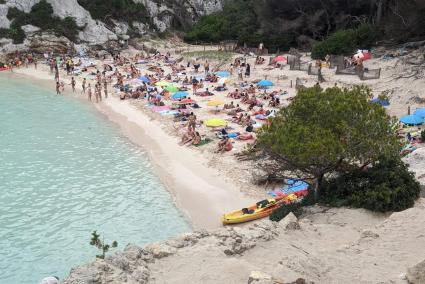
251,89
188,136
236,94
238,119
229,106
224,145
245,136
235,111
197,139
221,88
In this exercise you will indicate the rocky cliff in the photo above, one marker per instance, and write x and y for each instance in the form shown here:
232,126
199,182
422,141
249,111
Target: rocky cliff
162,15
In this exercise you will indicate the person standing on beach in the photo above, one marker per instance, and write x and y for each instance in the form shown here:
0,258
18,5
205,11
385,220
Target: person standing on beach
105,87
73,84
11,66
58,86
240,76
84,86
247,70
89,93
207,67
35,63
99,87
96,92
52,65
56,72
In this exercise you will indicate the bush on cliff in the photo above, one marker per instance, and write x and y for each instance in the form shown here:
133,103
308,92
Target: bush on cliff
386,186
120,10
41,15
345,42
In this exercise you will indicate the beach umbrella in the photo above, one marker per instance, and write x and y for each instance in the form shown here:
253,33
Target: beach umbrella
186,102
412,119
420,112
144,79
279,58
171,89
222,74
179,95
215,122
265,83
215,103
381,102
162,84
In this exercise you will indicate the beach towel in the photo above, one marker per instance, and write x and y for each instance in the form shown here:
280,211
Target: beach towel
161,108
293,187
204,142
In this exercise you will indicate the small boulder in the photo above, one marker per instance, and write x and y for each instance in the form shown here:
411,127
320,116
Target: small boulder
160,250
258,277
290,222
369,234
416,274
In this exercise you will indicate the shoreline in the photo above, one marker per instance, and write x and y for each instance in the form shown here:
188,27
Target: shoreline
196,189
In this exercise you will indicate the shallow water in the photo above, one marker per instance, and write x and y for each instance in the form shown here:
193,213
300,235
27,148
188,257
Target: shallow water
64,172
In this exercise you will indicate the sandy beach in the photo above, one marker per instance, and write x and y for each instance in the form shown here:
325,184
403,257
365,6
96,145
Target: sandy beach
204,184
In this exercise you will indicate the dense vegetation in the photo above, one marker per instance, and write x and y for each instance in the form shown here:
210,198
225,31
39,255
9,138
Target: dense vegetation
345,42
386,186
121,10
285,23
337,132
41,15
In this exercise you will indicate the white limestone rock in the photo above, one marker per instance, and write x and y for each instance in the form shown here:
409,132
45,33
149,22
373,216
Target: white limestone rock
416,274
4,21
30,29
96,33
290,222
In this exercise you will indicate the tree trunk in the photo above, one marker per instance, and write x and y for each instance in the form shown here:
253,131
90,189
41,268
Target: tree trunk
318,187
379,11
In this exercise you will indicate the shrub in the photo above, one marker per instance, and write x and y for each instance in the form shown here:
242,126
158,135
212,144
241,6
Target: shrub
105,10
387,186
423,136
345,42
340,42
284,210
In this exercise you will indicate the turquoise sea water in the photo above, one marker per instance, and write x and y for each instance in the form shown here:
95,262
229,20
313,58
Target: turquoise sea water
64,172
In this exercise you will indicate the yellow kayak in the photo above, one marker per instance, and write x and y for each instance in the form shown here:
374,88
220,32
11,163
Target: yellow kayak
260,210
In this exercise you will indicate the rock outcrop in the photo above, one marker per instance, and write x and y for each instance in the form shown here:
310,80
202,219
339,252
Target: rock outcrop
416,274
164,16
132,264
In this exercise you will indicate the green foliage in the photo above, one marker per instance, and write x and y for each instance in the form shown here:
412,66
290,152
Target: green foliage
423,136
41,15
281,212
387,186
105,10
296,208
100,244
345,42
239,21
323,131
